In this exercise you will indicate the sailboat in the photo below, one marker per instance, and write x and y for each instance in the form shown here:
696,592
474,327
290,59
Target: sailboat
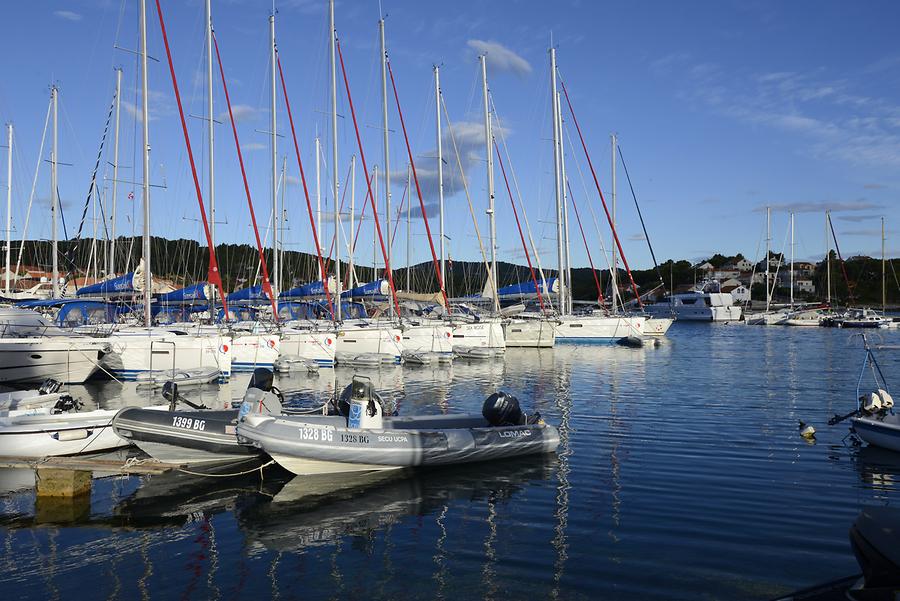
590,326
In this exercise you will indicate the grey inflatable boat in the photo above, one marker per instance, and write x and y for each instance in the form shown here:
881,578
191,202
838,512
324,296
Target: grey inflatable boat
359,434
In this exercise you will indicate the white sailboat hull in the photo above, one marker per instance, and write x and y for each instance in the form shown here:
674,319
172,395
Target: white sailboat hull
142,350
529,333
487,333
598,328
367,338
313,345
428,338
658,326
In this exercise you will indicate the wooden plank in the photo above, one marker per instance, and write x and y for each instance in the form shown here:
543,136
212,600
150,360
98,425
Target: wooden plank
139,466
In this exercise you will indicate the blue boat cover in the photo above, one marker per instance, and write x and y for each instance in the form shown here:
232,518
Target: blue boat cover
305,291
190,294
253,294
372,289
527,288
124,284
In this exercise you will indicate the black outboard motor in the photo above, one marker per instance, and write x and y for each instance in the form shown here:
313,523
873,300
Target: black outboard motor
262,379
49,386
501,409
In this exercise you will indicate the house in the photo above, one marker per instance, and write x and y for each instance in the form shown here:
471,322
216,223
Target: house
805,286
743,265
725,274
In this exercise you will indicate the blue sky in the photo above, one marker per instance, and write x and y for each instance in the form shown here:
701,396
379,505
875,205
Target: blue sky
721,108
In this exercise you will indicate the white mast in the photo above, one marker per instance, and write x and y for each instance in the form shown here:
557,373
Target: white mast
565,204
145,122
273,126
54,198
408,231
210,141
792,259
374,234
352,219
111,258
614,272
440,174
334,163
883,289
387,160
318,188
827,260
768,240
488,140
554,100
9,147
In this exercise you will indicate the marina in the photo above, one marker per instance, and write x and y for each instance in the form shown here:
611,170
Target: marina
660,460
369,308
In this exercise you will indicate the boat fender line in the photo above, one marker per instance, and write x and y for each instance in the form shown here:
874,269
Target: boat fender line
231,475
99,366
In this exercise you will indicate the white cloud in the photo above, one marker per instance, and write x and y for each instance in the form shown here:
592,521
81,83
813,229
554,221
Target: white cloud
499,57
820,206
250,146
241,112
67,15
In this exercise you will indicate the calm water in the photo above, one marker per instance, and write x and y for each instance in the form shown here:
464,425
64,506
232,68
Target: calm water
680,475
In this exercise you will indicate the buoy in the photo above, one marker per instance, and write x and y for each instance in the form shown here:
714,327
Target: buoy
807,432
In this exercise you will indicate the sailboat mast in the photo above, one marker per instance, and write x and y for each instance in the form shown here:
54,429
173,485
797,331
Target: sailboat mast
387,160
210,141
273,126
145,123
334,161
614,272
408,231
318,186
352,210
111,258
883,289
9,150
827,260
768,240
440,172
565,205
554,99
488,139
54,187
792,259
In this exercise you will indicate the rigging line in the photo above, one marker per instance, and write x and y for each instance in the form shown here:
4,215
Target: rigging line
399,213
362,156
266,284
340,210
412,163
584,239
512,202
515,180
213,272
312,221
462,175
362,216
600,192
37,169
590,207
641,216
841,259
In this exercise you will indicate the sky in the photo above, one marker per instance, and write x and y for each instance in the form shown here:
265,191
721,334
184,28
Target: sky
721,108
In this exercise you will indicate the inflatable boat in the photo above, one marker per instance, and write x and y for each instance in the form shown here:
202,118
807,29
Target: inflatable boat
361,434
188,434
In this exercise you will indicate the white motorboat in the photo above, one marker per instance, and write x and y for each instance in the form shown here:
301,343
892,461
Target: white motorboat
51,435
809,318
706,302
360,434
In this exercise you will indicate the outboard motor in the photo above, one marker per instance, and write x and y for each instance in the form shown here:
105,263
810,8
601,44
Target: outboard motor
361,405
261,396
49,386
501,409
